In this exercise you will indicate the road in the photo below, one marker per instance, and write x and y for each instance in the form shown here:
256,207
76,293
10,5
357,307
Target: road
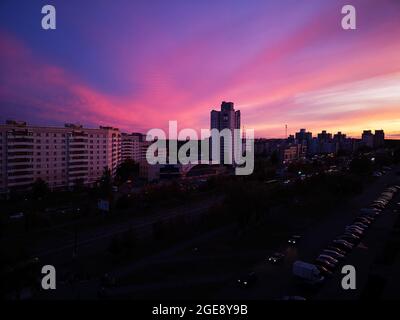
93,239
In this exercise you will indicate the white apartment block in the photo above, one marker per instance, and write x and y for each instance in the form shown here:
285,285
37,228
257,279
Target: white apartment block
131,146
61,156
134,147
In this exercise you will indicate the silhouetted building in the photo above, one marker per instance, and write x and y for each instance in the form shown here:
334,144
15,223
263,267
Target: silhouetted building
303,137
379,139
339,137
227,118
367,138
324,136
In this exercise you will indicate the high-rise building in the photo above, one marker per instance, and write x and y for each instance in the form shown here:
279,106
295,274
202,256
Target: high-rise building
227,118
368,138
61,156
303,137
133,146
324,136
339,137
379,138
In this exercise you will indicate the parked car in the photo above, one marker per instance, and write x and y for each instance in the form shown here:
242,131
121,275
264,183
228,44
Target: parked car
353,240
337,249
361,225
276,258
370,210
324,271
18,215
328,258
297,298
310,273
293,240
353,234
247,280
333,254
356,230
343,244
325,263
364,219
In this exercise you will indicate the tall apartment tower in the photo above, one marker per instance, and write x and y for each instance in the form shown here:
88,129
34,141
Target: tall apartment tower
61,156
227,118
368,138
303,137
379,138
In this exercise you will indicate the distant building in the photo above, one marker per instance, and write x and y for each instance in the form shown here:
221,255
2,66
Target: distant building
293,152
149,172
324,136
134,146
303,137
379,139
227,118
367,138
339,137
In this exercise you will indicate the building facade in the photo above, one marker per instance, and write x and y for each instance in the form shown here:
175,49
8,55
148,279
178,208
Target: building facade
61,156
132,147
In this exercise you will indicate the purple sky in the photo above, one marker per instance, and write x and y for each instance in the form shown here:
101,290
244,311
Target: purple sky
137,64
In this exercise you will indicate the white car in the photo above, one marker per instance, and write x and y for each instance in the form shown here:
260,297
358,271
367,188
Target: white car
18,215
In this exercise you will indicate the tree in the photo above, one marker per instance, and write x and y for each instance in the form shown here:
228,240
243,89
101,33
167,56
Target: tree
79,185
274,159
127,170
396,155
39,188
361,165
115,246
129,240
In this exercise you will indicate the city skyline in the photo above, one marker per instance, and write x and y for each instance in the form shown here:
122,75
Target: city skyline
23,123
282,66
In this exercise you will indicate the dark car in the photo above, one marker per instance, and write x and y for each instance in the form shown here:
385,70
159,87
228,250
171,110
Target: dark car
247,280
355,230
334,254
325,263
361,225
358,226
352,233
343,244
276,258
336,249
328,258
294,240
351,238
364,220
324,271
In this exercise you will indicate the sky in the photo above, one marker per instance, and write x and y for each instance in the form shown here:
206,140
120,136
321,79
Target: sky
136,64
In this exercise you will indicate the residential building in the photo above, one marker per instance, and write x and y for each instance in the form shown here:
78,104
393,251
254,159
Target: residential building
61,156
379,139
367,138
293,152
